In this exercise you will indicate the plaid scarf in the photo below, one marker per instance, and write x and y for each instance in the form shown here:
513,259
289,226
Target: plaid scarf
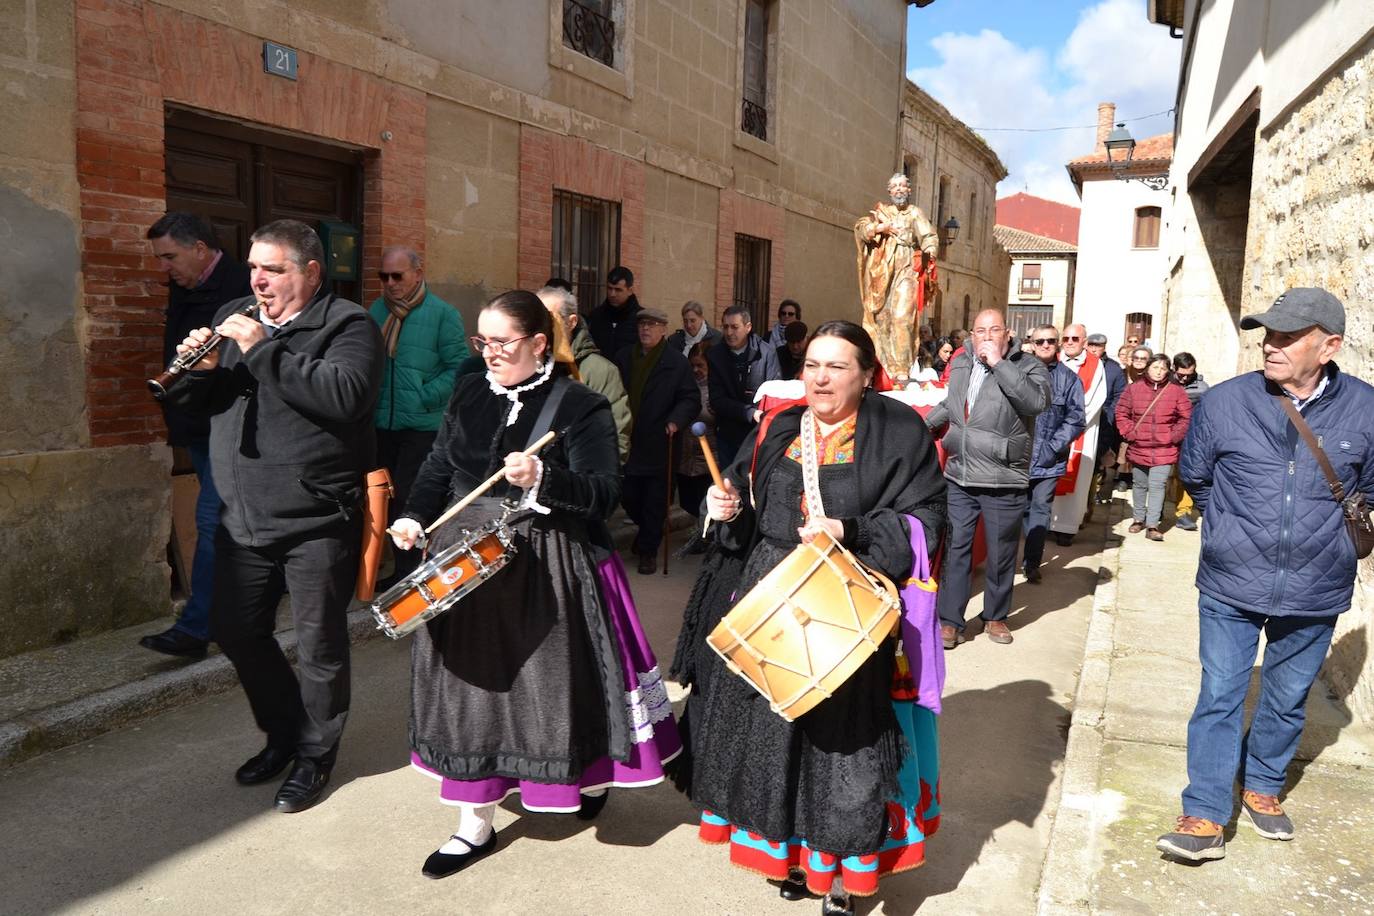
399,309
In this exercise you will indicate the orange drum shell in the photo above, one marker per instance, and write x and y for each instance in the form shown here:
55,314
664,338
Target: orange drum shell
458,574
806,627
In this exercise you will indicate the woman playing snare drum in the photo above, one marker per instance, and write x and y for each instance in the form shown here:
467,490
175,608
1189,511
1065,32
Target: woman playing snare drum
533,682
844,794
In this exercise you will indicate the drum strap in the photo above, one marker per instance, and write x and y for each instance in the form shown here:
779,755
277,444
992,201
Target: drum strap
544,422
811,475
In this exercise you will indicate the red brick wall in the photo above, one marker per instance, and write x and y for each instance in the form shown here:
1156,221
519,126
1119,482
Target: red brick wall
132,59
749,216
549,161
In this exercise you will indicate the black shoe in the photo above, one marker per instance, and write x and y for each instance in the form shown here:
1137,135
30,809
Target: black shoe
1063,539
1032,574
175,642
794,887
843,906
592,805
647,564
304,787
441,865
266,766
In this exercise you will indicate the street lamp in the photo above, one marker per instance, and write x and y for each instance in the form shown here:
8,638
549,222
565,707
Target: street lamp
949,231
1120,149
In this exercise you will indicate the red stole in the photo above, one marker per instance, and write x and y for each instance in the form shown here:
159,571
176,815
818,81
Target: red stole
1070,479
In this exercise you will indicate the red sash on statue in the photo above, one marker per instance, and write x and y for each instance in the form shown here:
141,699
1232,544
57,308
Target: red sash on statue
1070,479
925,276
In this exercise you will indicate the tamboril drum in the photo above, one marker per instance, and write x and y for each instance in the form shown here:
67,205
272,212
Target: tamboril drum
441,581
807,626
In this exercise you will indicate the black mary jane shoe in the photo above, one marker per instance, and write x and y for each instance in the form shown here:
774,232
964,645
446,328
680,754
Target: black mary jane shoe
304,787
592,805
794,886
831,906
264,766
442,864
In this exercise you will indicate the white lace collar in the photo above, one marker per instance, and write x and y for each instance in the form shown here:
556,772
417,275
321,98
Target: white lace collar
513,394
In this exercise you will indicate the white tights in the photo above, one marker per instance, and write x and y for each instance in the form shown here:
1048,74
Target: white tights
474,829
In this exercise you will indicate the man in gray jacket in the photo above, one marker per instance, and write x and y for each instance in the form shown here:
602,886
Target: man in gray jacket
995,393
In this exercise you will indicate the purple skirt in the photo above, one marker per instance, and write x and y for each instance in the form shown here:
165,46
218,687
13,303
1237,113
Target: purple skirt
656,739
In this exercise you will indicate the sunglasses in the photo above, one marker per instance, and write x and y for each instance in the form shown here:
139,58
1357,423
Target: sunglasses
1044,341
1068,339
482,345
1140,359
394,277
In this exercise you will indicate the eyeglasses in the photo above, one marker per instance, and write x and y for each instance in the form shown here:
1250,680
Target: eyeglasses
393,276
1045,341
484,346
1070,339
1140,359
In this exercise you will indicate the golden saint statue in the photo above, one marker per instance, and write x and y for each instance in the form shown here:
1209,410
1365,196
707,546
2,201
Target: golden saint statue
890,239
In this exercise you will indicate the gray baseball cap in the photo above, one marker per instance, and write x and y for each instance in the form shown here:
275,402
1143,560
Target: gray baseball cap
1300,307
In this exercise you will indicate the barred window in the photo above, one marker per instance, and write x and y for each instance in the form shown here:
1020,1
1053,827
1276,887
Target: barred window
753,263
586,244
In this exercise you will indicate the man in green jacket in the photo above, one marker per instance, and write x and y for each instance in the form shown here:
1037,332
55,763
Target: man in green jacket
598,373
424,342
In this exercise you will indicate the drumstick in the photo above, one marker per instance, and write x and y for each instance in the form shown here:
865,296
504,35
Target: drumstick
485,485
699,430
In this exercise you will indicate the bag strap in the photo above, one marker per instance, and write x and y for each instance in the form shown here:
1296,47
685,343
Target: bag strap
1158,395
544,422
1332,481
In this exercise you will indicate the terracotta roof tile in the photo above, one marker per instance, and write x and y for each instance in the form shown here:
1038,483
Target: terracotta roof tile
1039,216
1151,149
1017,240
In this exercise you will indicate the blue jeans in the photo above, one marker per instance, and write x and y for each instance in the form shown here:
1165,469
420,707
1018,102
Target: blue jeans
1227,642
195,617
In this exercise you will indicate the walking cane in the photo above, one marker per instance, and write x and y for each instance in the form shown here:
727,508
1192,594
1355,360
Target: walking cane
668,503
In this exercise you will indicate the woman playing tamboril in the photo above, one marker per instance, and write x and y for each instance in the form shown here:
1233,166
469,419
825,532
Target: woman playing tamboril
535,682
844,794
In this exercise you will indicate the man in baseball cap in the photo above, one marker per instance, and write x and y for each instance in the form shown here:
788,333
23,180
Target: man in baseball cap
1276,557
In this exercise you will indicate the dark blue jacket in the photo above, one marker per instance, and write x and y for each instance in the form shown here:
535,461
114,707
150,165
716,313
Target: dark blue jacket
1059,424
732,383
1116,384
1273,538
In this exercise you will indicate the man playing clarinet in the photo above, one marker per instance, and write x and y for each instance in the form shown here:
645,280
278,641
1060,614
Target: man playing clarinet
290,393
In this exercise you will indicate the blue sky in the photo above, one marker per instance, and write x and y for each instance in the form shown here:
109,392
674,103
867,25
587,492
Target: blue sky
1043,63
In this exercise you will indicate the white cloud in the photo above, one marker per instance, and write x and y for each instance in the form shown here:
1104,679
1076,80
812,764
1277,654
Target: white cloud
988,80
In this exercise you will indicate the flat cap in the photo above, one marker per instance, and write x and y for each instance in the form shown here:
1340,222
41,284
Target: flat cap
1300,307
648,314
1097,339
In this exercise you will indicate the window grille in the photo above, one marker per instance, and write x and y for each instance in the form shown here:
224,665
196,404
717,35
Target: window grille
753,262
589,29
586,244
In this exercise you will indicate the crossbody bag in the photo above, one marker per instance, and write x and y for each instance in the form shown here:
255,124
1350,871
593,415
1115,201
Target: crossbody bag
1357,514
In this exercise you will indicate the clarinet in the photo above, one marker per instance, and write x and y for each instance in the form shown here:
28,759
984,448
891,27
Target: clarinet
184,361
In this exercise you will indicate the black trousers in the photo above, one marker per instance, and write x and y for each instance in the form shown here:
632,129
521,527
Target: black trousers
691,492
1001,511
402,451
645,497
306,712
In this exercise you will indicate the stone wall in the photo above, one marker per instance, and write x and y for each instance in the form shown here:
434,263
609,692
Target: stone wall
1312,224
82,531
679,242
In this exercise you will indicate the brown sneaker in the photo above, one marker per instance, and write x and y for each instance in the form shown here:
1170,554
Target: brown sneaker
997,631
1154,534
1266,815
950,636
1194,839
1136,527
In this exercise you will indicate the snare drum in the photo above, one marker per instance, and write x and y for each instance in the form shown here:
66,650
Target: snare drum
807,626
441,581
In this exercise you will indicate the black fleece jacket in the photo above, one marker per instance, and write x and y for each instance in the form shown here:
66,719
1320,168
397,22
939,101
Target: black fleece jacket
291,433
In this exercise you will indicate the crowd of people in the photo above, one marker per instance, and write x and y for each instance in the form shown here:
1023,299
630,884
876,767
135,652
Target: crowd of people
547,688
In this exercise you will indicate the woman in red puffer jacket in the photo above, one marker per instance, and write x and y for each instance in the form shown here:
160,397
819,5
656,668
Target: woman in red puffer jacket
1152,416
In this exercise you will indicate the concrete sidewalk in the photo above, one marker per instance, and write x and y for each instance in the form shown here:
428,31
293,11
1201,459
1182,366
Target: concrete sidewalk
55,697
1125,766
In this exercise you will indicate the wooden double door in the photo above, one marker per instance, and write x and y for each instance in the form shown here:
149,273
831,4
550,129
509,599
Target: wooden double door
240,178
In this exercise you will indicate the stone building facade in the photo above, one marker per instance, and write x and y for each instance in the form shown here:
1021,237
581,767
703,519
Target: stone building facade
716,142
1273,182
954,173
